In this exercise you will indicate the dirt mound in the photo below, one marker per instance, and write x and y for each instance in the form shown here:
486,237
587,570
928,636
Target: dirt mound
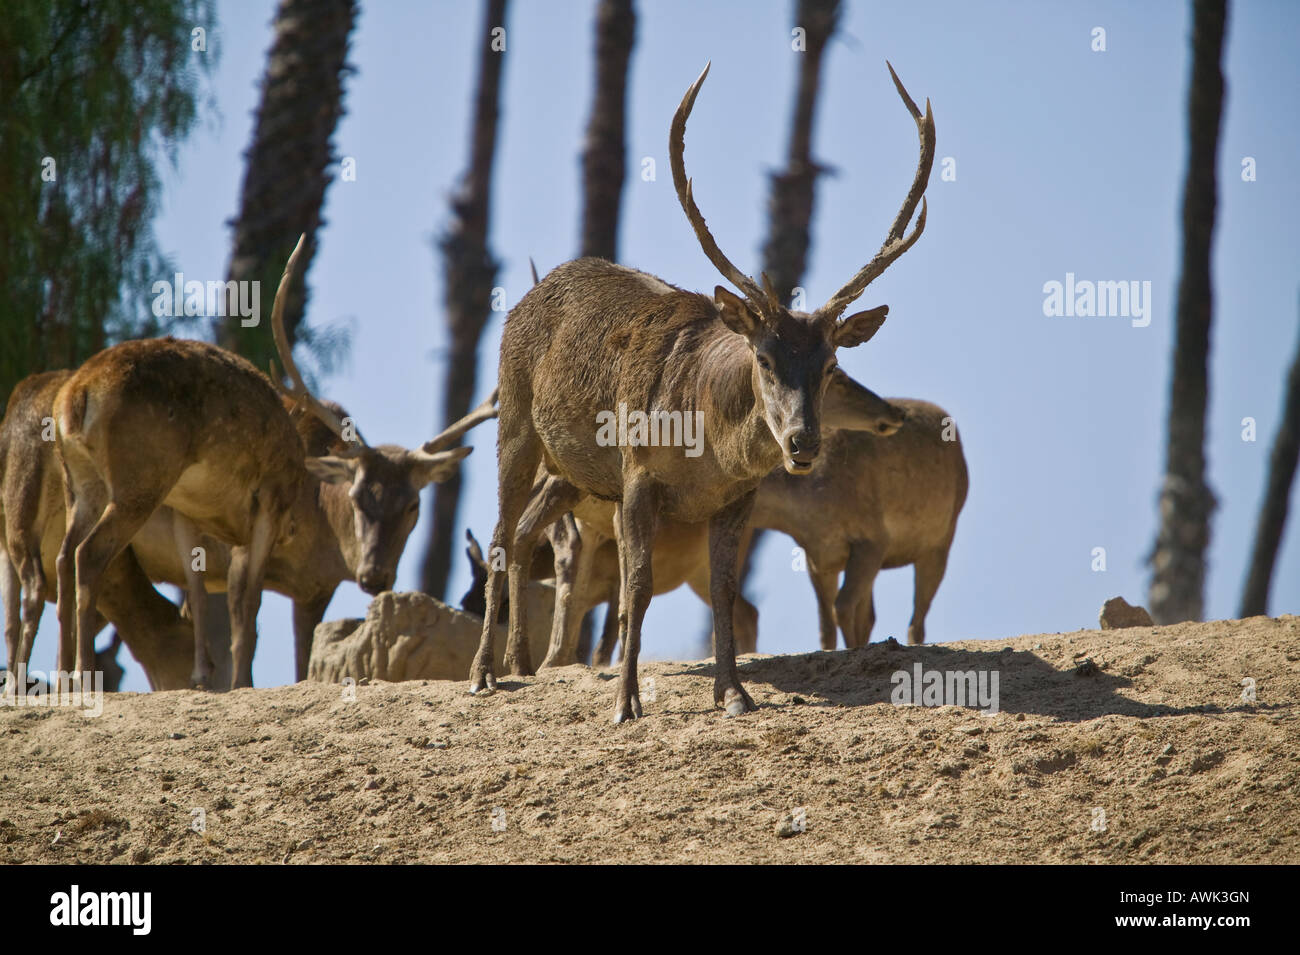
1122,746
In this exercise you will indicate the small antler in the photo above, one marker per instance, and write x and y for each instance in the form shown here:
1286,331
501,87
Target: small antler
676,149
453,432
895,242
533,265
300,393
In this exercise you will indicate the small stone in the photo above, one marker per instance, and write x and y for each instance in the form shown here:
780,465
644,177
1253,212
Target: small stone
1117,613
177,736
787,827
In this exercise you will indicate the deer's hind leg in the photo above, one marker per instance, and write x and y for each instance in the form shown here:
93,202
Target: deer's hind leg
244,596
519,450
9,592
573,561
550,499
855,606
635,519
928,571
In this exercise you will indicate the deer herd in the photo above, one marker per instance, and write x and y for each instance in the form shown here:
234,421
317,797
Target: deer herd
170,461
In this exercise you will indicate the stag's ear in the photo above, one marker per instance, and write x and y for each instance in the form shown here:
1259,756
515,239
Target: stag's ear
436,467
859,327
735,312
332,470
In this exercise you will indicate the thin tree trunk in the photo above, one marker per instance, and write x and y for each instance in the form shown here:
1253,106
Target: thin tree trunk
1273,511
471,273
288,164
790,203
604,155
1186,501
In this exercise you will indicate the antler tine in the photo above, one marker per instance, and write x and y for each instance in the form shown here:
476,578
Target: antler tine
896,243
533,265
769,290
300,392
453,433
676,148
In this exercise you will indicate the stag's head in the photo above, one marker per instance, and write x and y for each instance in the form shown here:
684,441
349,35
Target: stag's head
794,351
384,482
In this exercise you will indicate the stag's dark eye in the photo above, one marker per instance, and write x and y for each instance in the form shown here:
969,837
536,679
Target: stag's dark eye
764,363
413,506
831,367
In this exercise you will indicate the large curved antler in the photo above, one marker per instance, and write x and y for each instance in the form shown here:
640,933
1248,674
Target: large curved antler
895,242
676,148
300,393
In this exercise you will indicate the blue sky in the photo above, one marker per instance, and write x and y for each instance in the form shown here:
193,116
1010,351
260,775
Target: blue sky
1067,160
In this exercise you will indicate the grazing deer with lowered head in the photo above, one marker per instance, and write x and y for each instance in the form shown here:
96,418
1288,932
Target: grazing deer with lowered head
593,336
225,457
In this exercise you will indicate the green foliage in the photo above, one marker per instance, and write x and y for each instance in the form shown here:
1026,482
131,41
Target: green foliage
94,94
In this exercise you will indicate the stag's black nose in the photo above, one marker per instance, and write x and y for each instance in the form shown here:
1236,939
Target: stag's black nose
803,447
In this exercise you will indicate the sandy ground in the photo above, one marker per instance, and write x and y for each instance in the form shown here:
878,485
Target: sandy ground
1118,746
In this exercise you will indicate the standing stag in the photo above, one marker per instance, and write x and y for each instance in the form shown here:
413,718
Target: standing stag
225,457
594,336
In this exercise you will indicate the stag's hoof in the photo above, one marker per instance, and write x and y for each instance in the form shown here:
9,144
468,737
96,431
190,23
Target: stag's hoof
517,663
733,699
482,681
557,660
627,707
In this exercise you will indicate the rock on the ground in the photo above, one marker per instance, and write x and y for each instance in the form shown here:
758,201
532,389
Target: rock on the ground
1117,613
412,636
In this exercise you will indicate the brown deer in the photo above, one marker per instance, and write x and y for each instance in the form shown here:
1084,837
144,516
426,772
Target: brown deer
872,505
32,525
31,530
225,457
868,505
593,336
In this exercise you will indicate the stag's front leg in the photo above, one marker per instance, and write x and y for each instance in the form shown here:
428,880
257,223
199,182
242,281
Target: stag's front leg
635,518
724,539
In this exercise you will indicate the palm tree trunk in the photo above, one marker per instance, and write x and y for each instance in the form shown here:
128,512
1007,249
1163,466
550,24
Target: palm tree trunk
1186,501
604,153
1273,512
470,275
288,164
